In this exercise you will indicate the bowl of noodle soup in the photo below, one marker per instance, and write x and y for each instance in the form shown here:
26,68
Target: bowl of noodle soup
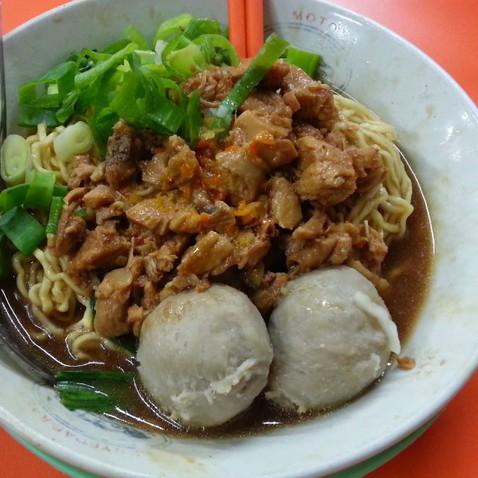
428,185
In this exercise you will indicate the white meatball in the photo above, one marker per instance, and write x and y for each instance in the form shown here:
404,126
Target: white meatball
204,356
332,336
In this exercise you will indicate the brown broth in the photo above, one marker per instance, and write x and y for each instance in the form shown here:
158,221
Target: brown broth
407,268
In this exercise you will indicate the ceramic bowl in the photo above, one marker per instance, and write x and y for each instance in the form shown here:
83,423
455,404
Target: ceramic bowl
437,126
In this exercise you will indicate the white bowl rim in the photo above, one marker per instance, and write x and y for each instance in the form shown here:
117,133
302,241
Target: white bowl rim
56,450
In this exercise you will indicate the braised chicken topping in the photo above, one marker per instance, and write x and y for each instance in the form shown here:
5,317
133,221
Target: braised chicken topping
253,210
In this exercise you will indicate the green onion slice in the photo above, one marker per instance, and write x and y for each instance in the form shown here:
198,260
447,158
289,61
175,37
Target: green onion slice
15,160
14,196
25,232
40,99
60,190
135,36
183,61
173,26
86,78
217,49
194,120
54,216
305,60
271,51
40,192
167,117
128,80
202,26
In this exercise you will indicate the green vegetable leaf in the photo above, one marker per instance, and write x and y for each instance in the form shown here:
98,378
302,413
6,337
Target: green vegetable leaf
95,391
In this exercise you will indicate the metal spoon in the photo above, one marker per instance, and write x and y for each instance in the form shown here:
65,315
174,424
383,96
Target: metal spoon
12,342
3,96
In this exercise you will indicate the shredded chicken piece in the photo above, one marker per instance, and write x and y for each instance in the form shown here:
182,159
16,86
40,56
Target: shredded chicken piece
266,296
254,209
213,84
112,297
326,174
285,204
120,162
80,170
103,248
212,254
171,167
71,230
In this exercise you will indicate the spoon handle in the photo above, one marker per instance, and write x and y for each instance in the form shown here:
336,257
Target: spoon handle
18,354
3,108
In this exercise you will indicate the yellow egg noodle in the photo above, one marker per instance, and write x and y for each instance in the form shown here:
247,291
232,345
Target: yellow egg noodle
387,206
43,156
43,280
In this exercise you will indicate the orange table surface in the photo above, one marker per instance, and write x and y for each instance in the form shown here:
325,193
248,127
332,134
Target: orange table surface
447,31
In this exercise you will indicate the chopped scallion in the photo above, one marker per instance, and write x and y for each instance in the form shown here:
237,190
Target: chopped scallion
15,160
13,196
202,26
54,216
272,49
127,80
125,103
30,116
22,229
173,26
167,117
184,62
60,190
85,78
135,36
217,49
143,57
40,99
40,192
305,60
83,397
193,120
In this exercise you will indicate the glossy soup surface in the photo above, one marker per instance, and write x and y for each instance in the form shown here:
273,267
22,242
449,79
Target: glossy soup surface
407,268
